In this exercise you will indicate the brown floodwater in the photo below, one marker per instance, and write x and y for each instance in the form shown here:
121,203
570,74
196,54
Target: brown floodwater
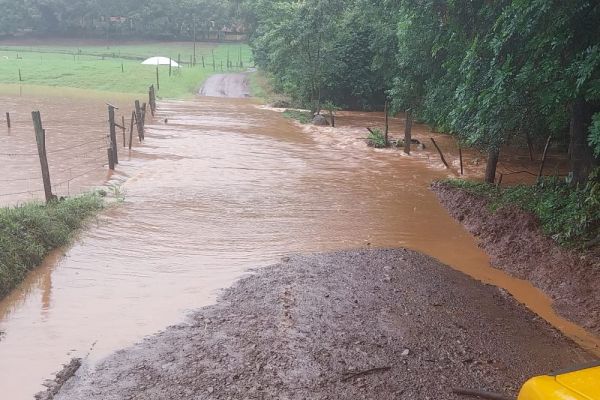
223,186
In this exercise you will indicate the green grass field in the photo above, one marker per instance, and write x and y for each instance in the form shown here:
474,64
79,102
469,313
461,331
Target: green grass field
117,68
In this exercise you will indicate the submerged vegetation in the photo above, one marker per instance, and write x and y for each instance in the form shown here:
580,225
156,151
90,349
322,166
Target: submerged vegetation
304,117
571,216
376,139
29,232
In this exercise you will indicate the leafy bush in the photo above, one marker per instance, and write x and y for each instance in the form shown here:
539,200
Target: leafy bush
376,139
594,137
570,215
28,233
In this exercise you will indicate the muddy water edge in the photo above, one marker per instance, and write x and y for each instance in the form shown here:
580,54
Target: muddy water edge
221,186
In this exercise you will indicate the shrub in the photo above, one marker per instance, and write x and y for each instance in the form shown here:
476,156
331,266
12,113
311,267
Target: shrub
376,139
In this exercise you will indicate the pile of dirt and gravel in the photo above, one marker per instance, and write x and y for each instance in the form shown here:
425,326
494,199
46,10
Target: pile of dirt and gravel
515,242
363,324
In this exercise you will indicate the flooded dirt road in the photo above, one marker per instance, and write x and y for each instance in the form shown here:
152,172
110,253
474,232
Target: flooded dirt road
224,186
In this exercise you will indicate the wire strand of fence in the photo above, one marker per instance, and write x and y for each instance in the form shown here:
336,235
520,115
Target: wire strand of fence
21,179
24,192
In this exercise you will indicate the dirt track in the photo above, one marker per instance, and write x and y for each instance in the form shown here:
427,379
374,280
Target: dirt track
226,85
316,327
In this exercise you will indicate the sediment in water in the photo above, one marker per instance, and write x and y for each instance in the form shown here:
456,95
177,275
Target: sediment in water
515,242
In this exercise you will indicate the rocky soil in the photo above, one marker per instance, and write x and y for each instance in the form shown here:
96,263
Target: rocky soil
364,324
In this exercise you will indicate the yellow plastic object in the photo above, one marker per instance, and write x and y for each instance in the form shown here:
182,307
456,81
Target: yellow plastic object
577,385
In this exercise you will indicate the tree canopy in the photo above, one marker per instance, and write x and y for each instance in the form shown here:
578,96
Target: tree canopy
164,19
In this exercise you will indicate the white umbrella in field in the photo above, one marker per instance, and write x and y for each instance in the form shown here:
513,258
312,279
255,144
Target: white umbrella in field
160,61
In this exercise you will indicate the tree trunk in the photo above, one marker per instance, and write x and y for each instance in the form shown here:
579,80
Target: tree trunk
492,163
581,156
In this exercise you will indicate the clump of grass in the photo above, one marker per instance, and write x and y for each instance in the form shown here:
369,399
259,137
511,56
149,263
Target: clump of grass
304,117
569,214
376,139
29,232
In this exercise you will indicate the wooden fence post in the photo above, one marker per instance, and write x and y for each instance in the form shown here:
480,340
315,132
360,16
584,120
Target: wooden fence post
40,138
387,124
152,99
111,161
460,156
131,129
544,158
20,79
8,120
124,130
113,132
138,120
170,62
144,116
157,80
203,65
408,131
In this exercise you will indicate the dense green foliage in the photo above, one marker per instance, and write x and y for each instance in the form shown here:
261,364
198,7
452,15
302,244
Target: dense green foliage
165,19
28,233
117,68
570,216
487,71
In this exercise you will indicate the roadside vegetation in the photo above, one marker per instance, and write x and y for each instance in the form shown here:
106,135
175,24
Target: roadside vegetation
571,216
119,68
489,73
29,232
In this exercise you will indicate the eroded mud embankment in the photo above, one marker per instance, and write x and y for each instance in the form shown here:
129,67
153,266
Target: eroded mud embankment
515,243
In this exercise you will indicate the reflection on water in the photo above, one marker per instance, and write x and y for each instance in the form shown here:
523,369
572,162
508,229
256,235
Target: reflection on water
221,187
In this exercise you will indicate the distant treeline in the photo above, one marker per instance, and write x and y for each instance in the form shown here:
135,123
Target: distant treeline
488,71
158,19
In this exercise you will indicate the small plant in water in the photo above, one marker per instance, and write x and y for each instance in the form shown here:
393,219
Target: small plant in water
376,139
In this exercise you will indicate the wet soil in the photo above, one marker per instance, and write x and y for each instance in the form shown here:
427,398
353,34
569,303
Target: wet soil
515,242
362,324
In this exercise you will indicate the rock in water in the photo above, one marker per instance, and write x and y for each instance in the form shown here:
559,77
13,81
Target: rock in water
320,120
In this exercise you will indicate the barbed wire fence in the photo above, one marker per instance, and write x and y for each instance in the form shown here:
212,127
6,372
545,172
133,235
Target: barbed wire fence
31,169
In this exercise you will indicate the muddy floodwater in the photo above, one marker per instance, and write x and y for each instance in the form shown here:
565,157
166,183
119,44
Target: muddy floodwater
218,187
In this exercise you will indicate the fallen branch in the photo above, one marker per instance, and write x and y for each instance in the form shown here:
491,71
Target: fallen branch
366,372
480,394
440,151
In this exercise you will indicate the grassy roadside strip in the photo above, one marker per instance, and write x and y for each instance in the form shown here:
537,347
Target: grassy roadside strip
29,232
570,215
